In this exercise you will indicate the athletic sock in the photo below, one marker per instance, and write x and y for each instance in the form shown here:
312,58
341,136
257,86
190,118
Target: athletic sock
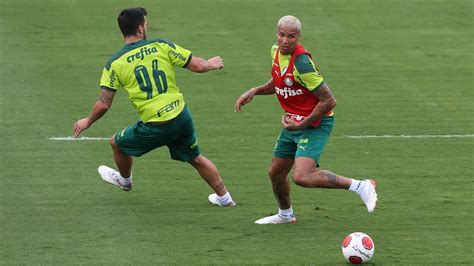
225,199
287,213
125,181
355,185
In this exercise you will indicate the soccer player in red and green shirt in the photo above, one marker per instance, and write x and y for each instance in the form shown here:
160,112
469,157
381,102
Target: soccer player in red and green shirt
308,102
145,70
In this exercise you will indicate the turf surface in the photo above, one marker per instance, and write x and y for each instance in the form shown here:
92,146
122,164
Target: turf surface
396,67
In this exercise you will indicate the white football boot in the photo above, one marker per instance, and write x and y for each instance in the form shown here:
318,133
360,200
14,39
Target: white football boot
111,176
277,219
368,195
214,200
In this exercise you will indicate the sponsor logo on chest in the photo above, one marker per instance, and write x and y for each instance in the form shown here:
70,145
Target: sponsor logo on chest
288,92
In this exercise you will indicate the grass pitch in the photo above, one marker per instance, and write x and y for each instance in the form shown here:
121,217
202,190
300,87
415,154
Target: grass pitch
396,67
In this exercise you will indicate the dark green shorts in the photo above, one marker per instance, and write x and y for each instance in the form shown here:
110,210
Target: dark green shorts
177,134
309,142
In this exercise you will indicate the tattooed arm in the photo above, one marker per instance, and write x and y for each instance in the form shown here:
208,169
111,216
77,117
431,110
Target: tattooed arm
326,103
100,108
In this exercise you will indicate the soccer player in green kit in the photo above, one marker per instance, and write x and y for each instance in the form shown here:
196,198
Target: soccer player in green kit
144,68
308,102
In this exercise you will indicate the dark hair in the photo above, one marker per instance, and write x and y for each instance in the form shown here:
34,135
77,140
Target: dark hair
129,20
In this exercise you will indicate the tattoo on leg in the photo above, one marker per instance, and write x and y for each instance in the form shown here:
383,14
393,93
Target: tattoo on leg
220,186
332,178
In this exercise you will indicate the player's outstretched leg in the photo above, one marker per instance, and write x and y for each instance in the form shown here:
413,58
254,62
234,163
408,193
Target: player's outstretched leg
208,171
113,177
305,174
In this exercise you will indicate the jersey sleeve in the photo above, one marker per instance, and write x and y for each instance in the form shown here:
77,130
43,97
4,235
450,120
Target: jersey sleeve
109,78
273,52
307,74
179,56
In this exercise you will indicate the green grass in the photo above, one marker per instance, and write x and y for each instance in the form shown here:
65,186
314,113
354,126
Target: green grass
395,67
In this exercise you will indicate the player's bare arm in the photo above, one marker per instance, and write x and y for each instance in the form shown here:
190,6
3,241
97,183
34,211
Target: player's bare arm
246,97
100,108
200,65
326,103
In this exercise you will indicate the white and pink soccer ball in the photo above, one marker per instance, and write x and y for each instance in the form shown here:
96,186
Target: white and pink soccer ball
358,248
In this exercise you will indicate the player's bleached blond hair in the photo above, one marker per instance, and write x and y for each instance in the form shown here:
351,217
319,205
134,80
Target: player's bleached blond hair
290,21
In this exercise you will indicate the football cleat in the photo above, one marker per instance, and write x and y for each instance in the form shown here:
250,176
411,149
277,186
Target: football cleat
213,199
368,195
111,176
277,219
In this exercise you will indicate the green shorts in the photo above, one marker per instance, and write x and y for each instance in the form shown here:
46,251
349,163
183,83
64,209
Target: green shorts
309,142
177,134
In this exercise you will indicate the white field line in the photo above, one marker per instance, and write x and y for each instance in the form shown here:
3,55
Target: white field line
408,136
70,138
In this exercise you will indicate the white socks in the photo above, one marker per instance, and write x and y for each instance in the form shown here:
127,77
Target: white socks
225,199
287,213
125,181
355,185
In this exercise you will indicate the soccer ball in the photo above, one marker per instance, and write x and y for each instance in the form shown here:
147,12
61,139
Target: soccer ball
358,248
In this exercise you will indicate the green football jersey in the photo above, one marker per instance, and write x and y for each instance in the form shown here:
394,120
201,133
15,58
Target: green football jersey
305,70
145,69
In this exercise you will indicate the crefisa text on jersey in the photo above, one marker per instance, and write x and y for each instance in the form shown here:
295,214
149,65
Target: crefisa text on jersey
177,55
288,92
144,51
